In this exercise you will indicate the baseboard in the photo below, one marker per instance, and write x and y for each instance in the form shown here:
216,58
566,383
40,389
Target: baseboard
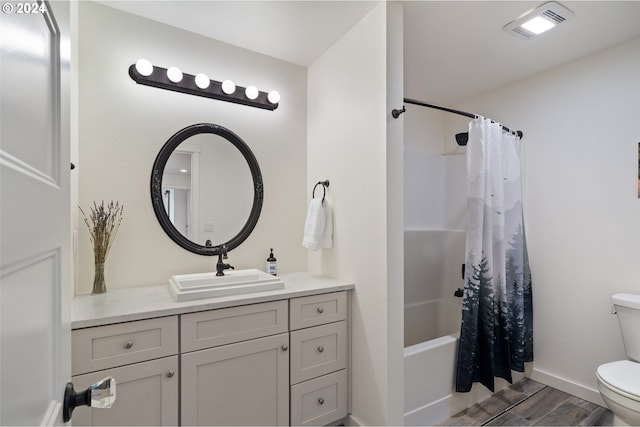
580,390
349,420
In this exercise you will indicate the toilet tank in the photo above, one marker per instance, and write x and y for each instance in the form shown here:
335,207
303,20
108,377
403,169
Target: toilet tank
628,310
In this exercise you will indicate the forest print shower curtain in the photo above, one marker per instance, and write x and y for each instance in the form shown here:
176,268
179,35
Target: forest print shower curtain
496,335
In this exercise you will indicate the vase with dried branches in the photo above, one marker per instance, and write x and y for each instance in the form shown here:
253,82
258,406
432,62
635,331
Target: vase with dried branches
103,225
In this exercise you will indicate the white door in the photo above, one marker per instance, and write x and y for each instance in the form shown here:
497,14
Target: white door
35,256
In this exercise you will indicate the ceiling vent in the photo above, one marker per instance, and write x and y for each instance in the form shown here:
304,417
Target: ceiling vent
539,20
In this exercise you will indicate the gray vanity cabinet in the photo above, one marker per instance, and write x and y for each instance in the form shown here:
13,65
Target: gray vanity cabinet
143,358
319,358
241,366
281,362
235,366
146,394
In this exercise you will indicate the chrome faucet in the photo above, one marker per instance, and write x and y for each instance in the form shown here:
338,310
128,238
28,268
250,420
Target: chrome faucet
221,266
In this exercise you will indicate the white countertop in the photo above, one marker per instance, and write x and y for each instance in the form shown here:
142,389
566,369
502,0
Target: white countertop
126,304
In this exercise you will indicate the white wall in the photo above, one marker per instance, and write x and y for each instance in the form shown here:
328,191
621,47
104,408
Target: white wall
347,144
395,215
582,213
123,125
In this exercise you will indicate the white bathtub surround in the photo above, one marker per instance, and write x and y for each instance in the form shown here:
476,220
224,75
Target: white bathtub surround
433,261
432,270
497,315
429,320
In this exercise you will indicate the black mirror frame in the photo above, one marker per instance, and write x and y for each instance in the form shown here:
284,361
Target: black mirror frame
156,187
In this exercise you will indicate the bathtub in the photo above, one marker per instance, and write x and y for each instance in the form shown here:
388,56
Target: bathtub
431,338
432,329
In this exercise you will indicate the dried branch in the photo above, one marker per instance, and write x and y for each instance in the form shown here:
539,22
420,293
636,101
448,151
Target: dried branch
104,225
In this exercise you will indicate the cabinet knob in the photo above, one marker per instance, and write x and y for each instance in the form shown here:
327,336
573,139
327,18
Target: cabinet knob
128,344
321,401
320,349
320,310
170,373
284,347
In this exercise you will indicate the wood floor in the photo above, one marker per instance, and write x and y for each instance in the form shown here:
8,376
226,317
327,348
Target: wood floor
529,403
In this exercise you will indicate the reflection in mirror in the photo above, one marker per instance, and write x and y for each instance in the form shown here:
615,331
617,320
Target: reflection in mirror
176,191
206,187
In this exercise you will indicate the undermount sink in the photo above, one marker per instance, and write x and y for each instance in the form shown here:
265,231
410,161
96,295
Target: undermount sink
185,287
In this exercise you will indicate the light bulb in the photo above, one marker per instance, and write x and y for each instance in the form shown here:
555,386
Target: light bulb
251,92
174,74
144,67
538,25
202,81
273,97
228,87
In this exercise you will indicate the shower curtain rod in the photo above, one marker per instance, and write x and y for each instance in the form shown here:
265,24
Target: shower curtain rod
396,113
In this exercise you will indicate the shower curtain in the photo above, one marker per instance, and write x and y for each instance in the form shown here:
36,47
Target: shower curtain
496,335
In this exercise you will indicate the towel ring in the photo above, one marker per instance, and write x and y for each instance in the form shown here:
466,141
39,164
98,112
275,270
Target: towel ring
324,184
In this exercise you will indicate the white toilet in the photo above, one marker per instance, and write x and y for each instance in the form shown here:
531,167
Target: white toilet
619,382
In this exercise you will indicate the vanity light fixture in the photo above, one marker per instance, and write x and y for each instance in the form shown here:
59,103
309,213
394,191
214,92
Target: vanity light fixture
144,73
202,81
174,74
228,87
144,67
537,21
251,92
273,96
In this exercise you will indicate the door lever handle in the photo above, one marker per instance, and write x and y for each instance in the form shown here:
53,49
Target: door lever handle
99,395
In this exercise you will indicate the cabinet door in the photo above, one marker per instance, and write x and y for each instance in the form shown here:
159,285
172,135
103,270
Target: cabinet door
147,394
246,383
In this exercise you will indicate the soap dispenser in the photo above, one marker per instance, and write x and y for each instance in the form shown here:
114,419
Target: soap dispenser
272,267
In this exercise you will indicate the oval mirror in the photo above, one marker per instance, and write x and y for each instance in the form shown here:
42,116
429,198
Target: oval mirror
206,188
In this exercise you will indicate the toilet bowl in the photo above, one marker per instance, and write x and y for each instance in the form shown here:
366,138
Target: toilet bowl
619,386
619,382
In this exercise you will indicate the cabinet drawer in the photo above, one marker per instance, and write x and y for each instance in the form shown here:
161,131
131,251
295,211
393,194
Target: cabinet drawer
104,347
318,309
318,351
320,401
228,325
146,394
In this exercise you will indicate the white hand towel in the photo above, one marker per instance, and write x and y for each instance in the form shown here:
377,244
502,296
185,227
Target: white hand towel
327,233
314,225
318,228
